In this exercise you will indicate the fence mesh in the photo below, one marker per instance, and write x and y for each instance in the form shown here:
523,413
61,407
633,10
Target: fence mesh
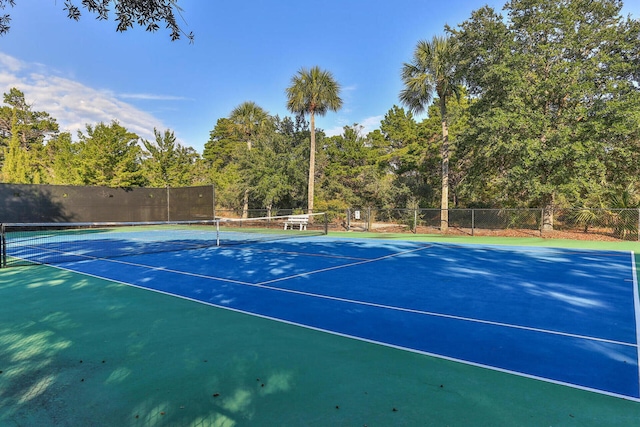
602,224
51,203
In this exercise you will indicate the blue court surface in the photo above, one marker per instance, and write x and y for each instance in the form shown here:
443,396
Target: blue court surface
565,316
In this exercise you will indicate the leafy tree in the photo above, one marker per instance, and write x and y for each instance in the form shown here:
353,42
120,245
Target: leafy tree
250,119
433,70
268,167
400,133
221,148
401,160
293,138
166,163
5,20
145,13
551,84
23,133
430,130
109,155
313,91
274,170
17,162
63,167
351,173
222,154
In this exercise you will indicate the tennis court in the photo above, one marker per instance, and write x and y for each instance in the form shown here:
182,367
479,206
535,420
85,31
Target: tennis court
320,330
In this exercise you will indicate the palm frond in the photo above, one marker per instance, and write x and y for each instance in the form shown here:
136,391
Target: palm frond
313,90
431,70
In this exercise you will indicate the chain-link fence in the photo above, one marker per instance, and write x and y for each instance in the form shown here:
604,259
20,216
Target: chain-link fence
603,224
59,203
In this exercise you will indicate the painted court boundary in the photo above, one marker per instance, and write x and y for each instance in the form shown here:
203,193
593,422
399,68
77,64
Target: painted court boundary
265,285
636,302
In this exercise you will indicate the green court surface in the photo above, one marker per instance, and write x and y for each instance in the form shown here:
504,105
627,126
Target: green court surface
80,351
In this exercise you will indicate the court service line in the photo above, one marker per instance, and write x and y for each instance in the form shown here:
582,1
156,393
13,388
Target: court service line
309,254
239,282
337,267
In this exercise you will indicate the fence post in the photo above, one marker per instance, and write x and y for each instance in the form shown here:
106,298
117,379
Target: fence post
168,206
415,221
638,224
348,219
213,201
473,221
369,218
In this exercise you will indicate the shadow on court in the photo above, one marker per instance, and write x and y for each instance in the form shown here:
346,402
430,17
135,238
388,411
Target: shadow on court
75,350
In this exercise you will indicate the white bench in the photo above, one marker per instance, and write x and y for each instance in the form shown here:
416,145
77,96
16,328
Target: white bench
299,220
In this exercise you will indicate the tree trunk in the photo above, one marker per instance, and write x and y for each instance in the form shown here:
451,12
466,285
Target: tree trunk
312,165
245,204
444,204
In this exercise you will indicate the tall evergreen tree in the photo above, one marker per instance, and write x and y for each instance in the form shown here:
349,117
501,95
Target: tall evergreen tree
109,155
250,119
166,163
23,133
63,154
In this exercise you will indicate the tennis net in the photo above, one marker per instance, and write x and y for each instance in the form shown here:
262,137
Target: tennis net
52,243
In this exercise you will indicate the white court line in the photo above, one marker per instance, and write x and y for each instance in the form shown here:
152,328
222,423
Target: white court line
412,350
494,368
337,267
636,303
296,253
265,285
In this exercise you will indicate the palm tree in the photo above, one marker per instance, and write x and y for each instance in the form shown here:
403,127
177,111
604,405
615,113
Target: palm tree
313,91
250,120
433,69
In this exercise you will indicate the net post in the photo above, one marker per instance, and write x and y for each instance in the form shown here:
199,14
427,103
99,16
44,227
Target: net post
217,232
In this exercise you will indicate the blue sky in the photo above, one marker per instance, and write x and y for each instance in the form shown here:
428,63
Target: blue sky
84,72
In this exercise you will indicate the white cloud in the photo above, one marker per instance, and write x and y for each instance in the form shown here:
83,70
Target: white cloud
368,124
371,123
73,104
152,97
10,63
